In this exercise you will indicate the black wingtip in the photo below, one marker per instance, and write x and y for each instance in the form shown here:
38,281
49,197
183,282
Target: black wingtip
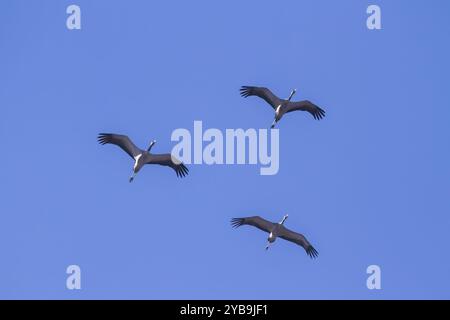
237,222
319,114
312,252
103,138
245,91
182,171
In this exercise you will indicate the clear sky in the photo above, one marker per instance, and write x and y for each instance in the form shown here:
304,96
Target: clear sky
367,185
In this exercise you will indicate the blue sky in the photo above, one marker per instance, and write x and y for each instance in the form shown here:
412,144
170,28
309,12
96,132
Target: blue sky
367,185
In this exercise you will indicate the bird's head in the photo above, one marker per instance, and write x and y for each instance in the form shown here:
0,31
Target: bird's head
151,145
294,91
284,218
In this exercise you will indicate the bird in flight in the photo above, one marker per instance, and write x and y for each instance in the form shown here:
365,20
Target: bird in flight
282,106
276,230
143,157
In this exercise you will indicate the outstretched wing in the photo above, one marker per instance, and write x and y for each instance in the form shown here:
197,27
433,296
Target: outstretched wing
286,234
166,160
263,93
306,105
255,221
120,140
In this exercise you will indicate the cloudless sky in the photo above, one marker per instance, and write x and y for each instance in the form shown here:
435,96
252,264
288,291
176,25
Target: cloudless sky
367,185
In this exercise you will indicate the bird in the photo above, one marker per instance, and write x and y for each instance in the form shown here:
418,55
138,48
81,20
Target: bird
276,230
282,106
143,157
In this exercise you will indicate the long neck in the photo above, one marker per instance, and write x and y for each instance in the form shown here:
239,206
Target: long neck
292,94
150,147
284,219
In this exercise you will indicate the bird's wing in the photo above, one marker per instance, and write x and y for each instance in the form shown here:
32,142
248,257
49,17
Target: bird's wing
306,105
263,93
286,234
120,140
256,221
166,160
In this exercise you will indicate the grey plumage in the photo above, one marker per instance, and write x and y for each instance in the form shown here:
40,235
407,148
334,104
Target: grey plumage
276,230
142,157
282,106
